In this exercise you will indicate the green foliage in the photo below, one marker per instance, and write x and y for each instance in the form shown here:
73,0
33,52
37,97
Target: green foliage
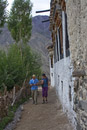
6,120
32,62
11,111
3,68
19,21
14,69
3,5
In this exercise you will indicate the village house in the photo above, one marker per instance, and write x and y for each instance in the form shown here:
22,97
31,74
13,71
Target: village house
68,57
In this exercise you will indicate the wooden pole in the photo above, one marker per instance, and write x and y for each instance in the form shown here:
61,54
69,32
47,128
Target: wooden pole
42,11
45,21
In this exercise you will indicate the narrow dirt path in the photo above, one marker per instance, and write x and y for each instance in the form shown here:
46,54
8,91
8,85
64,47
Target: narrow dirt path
44,116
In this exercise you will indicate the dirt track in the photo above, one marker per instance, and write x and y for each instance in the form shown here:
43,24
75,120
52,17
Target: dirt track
44,116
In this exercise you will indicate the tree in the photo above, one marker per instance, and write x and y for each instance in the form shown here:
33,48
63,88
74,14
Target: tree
19,21
11,67
14,70
3,68
32,61
3,5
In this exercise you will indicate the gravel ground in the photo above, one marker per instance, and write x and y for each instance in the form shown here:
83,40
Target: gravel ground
43,116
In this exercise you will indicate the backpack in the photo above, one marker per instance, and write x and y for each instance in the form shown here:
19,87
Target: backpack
45,82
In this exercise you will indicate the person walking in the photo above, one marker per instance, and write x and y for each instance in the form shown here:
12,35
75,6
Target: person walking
44,88
34,88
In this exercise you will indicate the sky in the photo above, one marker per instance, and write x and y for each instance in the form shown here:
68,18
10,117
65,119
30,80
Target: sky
37,5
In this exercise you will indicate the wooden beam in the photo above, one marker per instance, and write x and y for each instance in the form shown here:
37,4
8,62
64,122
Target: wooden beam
42,11
45,21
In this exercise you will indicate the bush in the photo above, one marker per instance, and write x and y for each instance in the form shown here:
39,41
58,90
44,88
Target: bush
15,68
3,68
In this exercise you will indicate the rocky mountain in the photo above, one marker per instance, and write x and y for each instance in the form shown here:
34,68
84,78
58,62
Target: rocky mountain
40,39
38,42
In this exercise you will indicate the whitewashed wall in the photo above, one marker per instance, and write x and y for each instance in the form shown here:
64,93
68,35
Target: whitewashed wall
52,76
51,73
63,79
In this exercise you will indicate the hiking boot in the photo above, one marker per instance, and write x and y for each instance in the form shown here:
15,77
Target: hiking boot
33,102
46,101
43,102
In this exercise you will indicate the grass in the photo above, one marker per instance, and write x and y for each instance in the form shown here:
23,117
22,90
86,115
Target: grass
11,112
6,120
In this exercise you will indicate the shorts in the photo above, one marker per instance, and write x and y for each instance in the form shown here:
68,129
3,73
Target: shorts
45,91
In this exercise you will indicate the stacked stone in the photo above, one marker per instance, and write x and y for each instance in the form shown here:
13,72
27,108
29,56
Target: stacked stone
77,28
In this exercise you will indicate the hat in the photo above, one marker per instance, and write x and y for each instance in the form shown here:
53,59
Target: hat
43,75
33,75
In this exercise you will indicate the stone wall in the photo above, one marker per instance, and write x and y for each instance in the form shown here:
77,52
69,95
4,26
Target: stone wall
77,29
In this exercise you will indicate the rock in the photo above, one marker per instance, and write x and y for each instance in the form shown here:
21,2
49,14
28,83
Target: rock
84,94
81,94
83,105
79,127
22,108
76,85
79,73
18,120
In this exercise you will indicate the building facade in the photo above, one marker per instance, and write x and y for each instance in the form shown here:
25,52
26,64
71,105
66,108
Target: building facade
68,57
51,63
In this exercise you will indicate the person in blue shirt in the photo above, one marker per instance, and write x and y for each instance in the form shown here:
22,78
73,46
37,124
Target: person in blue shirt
44,88
34,88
